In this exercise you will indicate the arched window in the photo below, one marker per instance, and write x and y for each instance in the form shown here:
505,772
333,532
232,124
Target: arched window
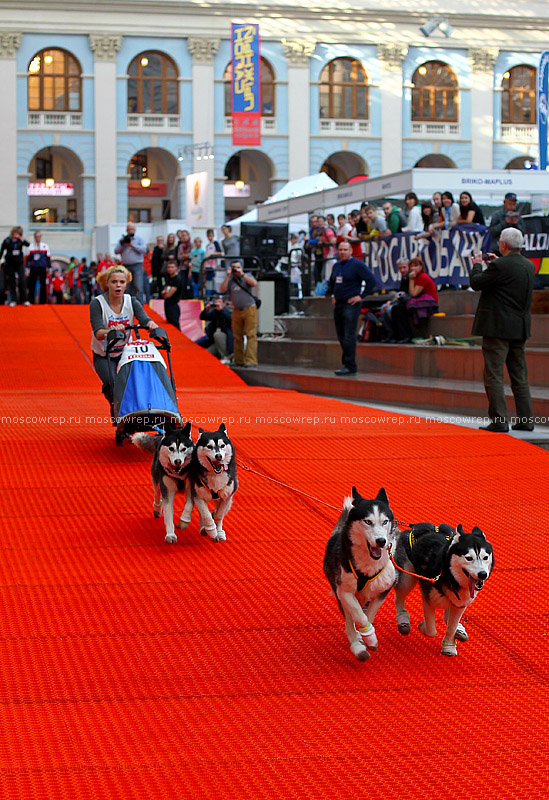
343,90
152,85
54,82
518,99
434,96
267,89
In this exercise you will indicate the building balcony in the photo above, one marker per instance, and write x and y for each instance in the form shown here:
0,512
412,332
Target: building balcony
436,130
519,133
157,122
344,127
55,119
268,124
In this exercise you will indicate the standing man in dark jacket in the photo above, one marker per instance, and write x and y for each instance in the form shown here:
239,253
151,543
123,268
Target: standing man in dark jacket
39,263
503,320
344,285
14,265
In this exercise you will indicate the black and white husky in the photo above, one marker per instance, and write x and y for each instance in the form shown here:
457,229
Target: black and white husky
212,476
169,471
457,564
358,567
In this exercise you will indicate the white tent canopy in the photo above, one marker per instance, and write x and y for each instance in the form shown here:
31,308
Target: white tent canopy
301,186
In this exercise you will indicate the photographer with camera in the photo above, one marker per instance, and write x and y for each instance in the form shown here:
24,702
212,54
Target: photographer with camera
219,336
132,249
244,318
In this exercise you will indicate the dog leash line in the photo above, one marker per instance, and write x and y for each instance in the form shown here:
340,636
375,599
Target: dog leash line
246,467
285,485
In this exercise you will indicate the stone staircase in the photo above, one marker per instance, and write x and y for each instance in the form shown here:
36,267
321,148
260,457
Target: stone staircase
444,379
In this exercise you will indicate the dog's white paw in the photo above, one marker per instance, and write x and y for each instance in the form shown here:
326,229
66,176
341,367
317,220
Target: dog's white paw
221,536
359,651
403,622
422,630
184,523
368,633
211,532
461,634
170,538
449,649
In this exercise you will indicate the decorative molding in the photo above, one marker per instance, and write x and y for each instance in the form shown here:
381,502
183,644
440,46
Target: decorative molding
203,49
298,51
105,47
9,42
483,60
392,55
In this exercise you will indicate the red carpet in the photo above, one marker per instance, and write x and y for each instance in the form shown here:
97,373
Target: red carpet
134,669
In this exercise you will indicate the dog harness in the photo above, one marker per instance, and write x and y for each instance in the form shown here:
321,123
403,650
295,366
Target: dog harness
362,579
214,494
412,539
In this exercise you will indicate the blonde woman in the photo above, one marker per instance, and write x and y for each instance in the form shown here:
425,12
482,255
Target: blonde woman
113,310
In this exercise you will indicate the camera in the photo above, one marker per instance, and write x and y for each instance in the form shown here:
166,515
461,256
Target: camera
127,238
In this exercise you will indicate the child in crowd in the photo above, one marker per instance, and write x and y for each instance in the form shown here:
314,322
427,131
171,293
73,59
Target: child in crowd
197,257
57,283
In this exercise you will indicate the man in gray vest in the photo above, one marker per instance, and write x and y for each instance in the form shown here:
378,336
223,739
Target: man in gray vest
132,249
503,320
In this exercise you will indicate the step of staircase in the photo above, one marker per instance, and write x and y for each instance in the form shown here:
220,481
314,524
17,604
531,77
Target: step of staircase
450,302
451,326
444,363
435,394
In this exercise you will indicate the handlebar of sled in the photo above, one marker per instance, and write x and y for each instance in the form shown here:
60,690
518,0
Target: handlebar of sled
158,334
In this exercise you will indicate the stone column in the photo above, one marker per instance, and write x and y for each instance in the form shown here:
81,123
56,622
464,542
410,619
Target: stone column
391,58
203,50
105,48
298,53
482,107
9,42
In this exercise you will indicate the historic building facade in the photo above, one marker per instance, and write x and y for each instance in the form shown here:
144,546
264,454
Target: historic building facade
121,102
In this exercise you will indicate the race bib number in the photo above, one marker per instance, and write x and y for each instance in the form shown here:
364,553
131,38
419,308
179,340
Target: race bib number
37,256
140,350
339,279
15,252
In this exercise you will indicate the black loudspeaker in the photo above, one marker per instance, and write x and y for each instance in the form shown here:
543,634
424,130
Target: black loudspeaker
268,241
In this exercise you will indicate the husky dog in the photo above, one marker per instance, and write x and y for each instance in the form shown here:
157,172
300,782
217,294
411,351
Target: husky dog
457,563
169,471
212,476
358,568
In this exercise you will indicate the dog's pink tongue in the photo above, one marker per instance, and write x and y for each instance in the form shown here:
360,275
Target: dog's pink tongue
376,552
472,584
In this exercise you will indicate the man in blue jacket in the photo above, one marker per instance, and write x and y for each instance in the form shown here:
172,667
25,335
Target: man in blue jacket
345,287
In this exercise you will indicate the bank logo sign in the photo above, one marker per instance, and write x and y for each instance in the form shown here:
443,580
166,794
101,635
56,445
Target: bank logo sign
543,94
246,85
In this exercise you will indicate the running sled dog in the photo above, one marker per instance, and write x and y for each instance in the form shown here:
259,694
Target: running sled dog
212,477
451,569
358,567
169,471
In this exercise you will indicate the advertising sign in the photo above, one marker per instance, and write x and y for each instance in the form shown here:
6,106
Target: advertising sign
55,190
542,95
246,85
196,186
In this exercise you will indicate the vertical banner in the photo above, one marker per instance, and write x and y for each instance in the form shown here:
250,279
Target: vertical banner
197,198
246,85
543,93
